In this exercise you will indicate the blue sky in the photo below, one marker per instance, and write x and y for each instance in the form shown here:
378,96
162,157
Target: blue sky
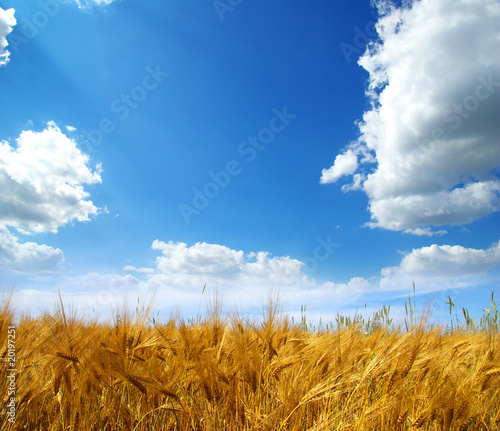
334,153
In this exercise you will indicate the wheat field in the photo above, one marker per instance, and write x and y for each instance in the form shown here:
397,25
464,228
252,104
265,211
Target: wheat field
228,373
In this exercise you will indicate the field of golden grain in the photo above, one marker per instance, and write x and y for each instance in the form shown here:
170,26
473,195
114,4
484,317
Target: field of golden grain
227,373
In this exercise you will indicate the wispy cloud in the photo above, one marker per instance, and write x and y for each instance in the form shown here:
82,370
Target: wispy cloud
434,87
86,3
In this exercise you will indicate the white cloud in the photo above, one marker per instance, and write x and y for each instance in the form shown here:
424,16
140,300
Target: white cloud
425,232
7,21
242,279
41,181
245,280
139,270
458,206
28,257
187,268
179,276
87,3
442,263
357,182
345,164
433,127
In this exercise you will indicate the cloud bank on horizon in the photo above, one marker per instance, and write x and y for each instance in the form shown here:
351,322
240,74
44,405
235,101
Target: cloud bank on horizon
247,279
189,268
432,129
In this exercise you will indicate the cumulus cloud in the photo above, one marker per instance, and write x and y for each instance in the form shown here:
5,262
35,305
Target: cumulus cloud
27,257
433,127
187,269
7,21
42,181
42,178
178,278
192,267
438,263
345,164
242,279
